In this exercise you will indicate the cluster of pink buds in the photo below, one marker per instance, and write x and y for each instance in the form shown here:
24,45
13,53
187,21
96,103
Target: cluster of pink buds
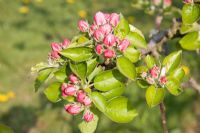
101,31
57,47
155,75
82,100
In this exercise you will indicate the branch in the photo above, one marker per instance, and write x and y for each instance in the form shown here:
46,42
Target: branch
163,117
192,83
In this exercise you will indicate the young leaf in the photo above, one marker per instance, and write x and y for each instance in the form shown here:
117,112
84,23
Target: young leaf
126,67
172,61
42,77
154,96
122,28
150,61
119,110
173,86
53,92
99,101
190,41
142,84
78,54
114,92
190,13
109,80
178,74
80,69
91,64
61,74
96,71
136,40
132,54
89,127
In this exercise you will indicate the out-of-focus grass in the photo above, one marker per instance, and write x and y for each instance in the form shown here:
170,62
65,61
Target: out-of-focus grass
24,41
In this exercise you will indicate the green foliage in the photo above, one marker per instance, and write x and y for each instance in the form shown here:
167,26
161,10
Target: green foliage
190,13
80,69
173,86
5,129
136,40
132,54
122,29
150,61
53,92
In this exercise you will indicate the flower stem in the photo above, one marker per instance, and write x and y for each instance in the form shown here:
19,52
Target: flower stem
163,117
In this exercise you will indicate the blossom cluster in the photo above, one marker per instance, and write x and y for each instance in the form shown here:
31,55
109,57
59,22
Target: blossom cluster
102,32
155,75
82,101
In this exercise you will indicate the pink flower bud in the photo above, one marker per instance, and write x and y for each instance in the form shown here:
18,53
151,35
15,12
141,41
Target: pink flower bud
154,72
163,80
73,108
105,29
73,78
83,26
93,27
124,44
98,35
81,96
54,55
117,40
107,16
98,49
108,53
87,101
88,116
66,43
114,19
68,90
99,18
150,80
109,40
167,3
56,47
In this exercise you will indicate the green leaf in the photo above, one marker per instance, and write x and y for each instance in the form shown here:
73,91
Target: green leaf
132,54
114,92
126,67
190,41
53,92
150,61
96,71
122,28
61,74
141,69
190,13
91,65
119,110
42,77
78,54
89,127
172,61
154,96
173,86
178,74
5,129
109,80
134,29
136,40
79,69
99,101
142,84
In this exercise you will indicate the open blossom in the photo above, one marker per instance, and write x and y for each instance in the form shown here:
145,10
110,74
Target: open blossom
56,47
73,108
54,55
114,19
81,96
163,80
73,78
100,18
83,26
98,35
98,49
124,44
109,40
87,101
66,43
154,72
108,53
68,89
105,29
88,116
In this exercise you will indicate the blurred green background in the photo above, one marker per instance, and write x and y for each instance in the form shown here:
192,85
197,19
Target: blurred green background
27,27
